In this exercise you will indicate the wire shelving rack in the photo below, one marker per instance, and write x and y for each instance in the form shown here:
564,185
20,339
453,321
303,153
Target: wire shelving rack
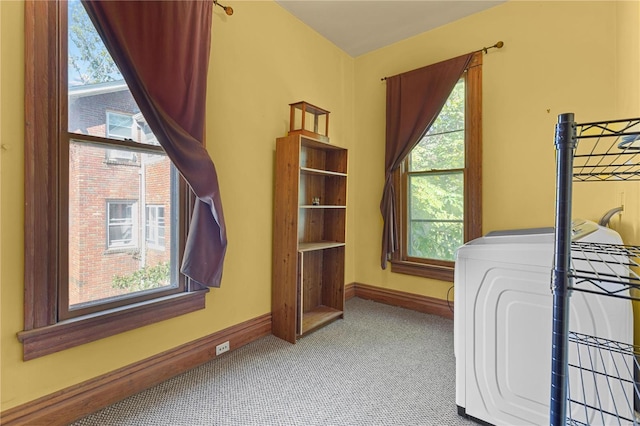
604,370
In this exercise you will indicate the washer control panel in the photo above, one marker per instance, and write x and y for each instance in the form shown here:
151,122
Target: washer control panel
580,228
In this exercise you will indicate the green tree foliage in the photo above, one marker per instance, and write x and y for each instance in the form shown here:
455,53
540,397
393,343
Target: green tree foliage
436,188
88,55
144,279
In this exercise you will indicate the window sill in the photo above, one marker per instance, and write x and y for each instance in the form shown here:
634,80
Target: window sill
77,331
436,272
121,162
132,250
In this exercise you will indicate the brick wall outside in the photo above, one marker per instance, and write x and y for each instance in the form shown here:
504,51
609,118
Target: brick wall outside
95,180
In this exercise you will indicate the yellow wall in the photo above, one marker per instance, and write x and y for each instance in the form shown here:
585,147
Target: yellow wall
262,59
557,57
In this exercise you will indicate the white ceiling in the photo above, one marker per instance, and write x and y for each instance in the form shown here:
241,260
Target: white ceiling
360,26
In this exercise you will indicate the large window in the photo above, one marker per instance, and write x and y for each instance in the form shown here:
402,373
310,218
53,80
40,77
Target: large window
440,184
435,185
93,227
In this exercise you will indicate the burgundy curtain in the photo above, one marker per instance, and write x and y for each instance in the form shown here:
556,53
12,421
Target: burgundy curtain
414,100
162,50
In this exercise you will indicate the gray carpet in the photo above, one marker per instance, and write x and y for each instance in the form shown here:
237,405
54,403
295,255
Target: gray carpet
381,365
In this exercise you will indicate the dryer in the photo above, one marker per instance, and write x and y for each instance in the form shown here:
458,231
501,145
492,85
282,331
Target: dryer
502,324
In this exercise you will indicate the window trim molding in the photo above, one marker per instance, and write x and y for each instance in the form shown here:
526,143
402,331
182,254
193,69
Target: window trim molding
76,331
436,269
44,233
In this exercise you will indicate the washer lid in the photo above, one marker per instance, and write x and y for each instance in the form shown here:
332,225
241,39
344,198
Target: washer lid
520,232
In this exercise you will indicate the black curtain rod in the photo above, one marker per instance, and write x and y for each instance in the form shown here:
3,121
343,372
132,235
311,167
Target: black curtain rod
498,45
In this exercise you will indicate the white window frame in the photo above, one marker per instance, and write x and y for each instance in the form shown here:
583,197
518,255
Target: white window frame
119,155
152,229
132,221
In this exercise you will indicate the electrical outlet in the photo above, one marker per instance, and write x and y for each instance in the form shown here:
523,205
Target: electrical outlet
222,348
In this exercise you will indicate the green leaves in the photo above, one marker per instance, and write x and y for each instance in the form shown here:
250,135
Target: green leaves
145,278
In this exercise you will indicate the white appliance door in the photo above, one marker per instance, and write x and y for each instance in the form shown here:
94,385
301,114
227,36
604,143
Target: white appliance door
508,345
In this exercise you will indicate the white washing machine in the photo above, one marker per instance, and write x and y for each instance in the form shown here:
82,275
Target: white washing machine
502,324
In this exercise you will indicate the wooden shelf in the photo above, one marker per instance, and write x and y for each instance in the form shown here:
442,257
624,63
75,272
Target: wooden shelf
308,239
321,245
307,170
318,317
321,206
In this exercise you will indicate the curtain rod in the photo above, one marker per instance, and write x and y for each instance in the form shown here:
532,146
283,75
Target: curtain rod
498,45
227,9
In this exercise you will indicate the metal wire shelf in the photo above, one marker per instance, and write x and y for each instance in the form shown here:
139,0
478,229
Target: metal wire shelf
608,150
612,367
607,269
604,390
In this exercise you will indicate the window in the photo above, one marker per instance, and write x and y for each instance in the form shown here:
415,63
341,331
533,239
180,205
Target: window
77,204
435,191
155,227
119,126
121,221
440,184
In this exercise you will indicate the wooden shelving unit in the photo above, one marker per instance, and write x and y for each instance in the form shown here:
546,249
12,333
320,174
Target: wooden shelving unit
309,237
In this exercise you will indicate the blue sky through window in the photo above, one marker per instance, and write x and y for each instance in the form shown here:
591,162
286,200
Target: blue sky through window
81,28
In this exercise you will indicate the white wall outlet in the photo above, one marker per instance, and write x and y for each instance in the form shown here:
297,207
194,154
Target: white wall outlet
222,348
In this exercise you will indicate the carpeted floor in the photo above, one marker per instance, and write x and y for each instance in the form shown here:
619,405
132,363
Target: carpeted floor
381,365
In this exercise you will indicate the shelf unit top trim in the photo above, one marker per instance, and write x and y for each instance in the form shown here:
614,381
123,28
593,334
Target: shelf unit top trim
317,143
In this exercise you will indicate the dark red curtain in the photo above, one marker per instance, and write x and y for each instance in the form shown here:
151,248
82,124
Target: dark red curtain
162,50
414,100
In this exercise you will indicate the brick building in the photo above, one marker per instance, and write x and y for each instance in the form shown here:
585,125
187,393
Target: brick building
119,200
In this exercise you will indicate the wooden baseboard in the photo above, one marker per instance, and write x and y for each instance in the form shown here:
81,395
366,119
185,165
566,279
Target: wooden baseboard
426,304
75,402
349,291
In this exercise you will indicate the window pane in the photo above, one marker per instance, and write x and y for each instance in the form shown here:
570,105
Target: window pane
435,240
436,213
443,146
96,86
119,126
452,115
439,152
120,224
110,253
436,196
